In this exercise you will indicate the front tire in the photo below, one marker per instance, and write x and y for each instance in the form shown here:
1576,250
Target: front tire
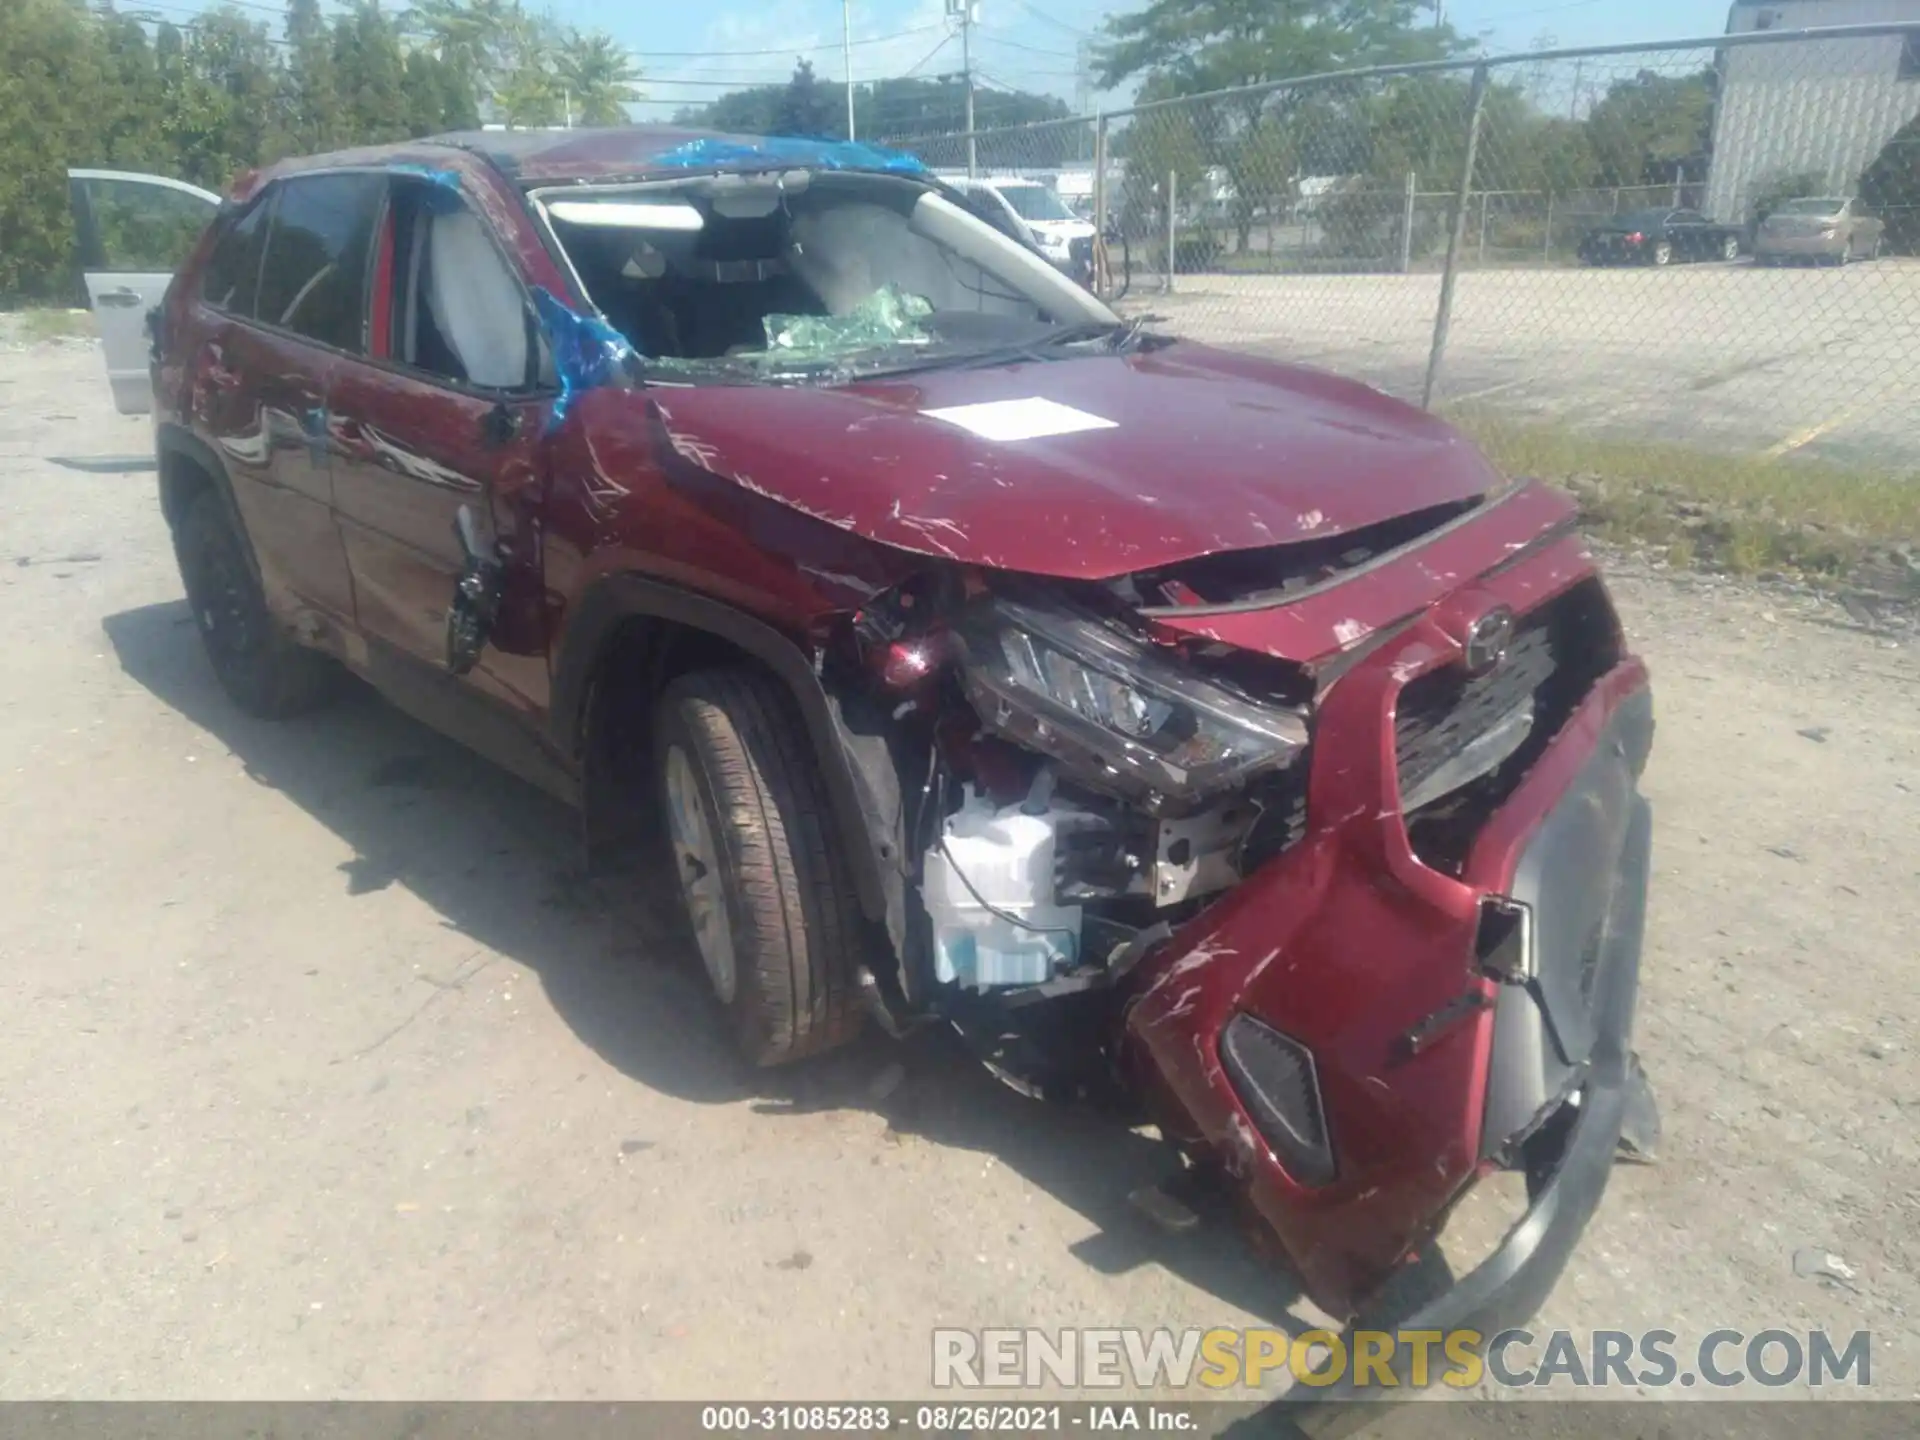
1730,249
262,669
1662,254
768,893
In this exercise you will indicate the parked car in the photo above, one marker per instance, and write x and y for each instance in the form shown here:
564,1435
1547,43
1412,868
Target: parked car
1038,210
1659,237
1818,229
1207,734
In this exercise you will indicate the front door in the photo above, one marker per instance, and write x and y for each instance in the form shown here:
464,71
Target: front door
444,414
132,231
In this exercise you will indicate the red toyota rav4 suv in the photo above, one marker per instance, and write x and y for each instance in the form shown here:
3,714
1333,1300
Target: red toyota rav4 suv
1177,725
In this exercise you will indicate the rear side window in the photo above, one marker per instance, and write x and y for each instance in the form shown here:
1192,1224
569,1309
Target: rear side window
314,279
231,278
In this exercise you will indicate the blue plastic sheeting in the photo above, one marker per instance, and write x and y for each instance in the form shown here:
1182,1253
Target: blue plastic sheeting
587,351
787,150
448,178
445,195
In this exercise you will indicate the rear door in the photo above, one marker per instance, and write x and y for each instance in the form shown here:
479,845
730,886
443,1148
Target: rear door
132,231
261,378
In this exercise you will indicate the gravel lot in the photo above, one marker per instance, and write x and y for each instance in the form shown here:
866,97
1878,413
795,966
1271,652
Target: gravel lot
328,1074
1824,363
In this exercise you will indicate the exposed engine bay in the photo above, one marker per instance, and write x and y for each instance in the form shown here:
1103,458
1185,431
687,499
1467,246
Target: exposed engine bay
1075,791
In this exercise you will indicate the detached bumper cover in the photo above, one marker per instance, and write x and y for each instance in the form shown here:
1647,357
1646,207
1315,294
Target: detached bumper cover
1352,947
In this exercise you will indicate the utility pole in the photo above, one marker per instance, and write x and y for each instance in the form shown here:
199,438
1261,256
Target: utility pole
1579,70
1439,13
846,57
1083,80
967,11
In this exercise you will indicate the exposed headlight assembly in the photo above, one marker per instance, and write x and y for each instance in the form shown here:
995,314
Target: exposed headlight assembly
1119,716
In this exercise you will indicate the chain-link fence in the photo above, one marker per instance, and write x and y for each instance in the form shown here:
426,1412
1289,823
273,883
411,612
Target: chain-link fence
1703,250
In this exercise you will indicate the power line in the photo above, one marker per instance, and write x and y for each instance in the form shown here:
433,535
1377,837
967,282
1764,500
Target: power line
929,55
995,39
715,84
1037,13
1538,10
784,49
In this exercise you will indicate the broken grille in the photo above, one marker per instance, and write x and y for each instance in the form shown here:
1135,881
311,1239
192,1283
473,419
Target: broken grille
1490,727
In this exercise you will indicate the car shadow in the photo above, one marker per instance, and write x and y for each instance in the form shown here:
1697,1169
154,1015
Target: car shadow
499,862
105,464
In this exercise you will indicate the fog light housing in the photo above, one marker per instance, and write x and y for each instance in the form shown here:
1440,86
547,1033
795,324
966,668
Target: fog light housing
1275,1078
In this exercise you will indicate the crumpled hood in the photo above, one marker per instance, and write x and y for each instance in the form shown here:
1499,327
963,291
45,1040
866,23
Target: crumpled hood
1083,468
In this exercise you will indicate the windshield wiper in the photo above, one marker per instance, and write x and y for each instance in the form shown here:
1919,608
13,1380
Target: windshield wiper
1121,336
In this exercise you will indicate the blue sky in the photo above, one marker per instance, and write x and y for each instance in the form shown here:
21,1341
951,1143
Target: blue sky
1029,44
693,52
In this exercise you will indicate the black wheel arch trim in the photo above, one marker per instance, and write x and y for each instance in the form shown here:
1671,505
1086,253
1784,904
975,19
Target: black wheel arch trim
177,442
859,812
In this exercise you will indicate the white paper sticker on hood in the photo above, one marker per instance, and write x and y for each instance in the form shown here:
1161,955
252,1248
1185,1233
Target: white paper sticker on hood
1029,419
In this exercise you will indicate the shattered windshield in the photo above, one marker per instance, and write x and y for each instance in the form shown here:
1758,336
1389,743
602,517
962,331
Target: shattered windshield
812,276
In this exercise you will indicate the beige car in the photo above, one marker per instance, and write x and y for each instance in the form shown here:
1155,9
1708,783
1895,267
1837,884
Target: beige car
1819,230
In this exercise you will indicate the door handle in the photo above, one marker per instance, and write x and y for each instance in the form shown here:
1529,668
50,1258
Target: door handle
120,296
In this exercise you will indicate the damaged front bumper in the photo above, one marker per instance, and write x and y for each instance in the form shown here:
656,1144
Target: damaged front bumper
1410,1040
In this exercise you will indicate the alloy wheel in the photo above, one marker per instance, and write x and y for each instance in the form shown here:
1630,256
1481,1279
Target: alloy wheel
696,858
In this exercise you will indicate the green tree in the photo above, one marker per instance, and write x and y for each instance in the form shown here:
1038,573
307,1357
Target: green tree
439,99
1652,127
231,62
752,110
309,99
527,90
1160,144
597,77
370,73
805,109
1786,185
461,34
1190,47
51,87
131,102
903,110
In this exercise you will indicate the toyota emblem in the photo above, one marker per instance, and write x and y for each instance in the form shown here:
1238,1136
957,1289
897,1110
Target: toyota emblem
1488,639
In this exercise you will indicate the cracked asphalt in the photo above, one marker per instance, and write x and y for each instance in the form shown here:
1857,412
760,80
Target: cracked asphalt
324,1072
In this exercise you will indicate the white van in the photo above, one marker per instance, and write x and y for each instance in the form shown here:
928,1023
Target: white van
1038,209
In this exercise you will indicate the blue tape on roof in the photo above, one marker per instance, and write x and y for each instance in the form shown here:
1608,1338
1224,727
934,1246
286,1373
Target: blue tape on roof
587,351
787,150
445,195
448,178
